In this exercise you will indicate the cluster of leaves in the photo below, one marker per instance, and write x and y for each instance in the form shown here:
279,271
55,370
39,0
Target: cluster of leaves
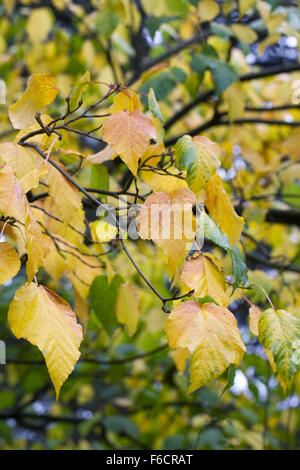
51,185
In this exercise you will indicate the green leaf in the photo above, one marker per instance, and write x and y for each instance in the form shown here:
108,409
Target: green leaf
223,75
121,425
103,298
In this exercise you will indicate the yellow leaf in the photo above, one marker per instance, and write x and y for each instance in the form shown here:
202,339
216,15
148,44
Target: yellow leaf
129,134
9,262
13,203
254,314
220,208
202,274
47,321
208,10
39,24
211,335
126,100
168,220
127,309
244,33
39,93
105,232
236,101
106,154
279,333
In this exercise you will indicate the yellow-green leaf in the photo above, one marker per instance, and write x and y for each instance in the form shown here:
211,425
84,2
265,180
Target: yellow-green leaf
211,335
279,333
127,307
168,220
222,211
47,321
13,203
129,134
39,93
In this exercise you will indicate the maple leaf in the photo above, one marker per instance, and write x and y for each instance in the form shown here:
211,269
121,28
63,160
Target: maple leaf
254,315
200,157
279,333
66,200
13,203
211,335
129,134
168,220
39,93
220,208
127,308
202,274
47,321
9,262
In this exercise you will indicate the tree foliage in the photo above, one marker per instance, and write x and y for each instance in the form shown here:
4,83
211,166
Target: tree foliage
149,188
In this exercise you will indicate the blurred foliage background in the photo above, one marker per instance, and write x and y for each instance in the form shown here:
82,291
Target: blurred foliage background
225,69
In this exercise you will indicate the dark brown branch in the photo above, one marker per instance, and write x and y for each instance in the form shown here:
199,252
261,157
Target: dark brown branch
204,96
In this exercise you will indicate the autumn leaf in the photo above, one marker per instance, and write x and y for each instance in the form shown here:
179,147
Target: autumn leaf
47,321
129,134
279,333
200,157
222,211
202,274
13,203
9,262
39,93
127,308
211,335
167,219
212,232
254,315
